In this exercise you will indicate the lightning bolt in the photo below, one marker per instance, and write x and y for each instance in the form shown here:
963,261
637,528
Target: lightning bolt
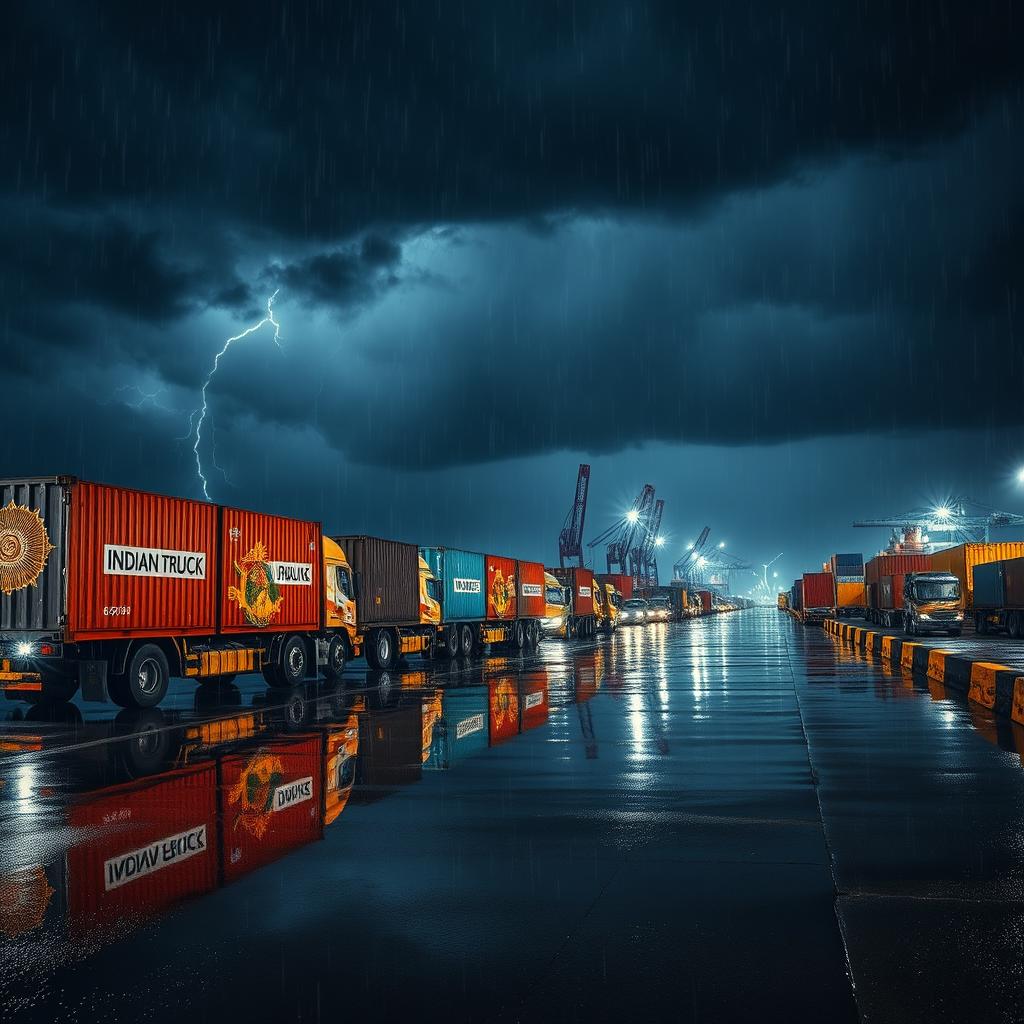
199,415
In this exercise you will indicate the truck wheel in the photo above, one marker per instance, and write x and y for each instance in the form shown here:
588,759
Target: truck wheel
533,633
466,640
518,635
980,624
1013,625
336,656
145,680
909,626
294,660
449,645
384,650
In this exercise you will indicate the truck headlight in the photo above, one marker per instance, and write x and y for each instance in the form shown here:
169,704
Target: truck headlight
959,616
923,615
24,649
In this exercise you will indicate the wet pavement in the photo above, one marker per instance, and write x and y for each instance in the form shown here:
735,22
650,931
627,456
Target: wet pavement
731,818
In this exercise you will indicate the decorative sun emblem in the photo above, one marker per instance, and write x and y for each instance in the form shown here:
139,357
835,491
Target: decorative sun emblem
257,595
253,794
24,547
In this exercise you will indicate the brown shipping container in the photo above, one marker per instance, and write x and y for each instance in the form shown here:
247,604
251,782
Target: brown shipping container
388,572
622,582
531,590
270,802
893,568
818,592
581,588
145,847
138,564
271,570
501,587
961,560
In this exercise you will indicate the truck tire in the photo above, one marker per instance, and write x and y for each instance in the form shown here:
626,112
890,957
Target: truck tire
383,649
518,635
293,662
980,624
466,641
337,655
1013,624
144,683
449,643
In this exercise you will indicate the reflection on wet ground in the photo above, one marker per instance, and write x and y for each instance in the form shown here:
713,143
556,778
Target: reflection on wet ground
698,821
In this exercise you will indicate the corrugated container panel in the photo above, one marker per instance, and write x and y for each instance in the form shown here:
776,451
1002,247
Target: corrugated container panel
892,565
890,592
531,590
271,570
462,730
33,550
850,595
464,580
581,588
145,847
388,573
503,698
705,601
817,592
501,587
534,706
961,560
269,802
1013,572
797,594
139,564
850,558
989,585
622,582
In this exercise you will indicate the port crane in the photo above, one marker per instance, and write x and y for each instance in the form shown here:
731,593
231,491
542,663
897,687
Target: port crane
646,553
962,519
624,536
686,567
570,540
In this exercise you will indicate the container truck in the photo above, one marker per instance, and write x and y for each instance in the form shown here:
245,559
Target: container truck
613,602
817,596
116,590
883,576
621,581
783,602
932,603
579,587
485,599
961,560
999,596
556,607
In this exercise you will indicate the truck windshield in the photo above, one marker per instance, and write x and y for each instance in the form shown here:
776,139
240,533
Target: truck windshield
555,595
936,590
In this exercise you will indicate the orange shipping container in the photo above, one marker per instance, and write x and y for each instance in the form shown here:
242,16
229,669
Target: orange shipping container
961,560
501,587
138,564
271,567
532,601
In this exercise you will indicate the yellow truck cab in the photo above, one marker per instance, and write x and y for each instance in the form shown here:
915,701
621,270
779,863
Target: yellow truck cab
556,607
613,599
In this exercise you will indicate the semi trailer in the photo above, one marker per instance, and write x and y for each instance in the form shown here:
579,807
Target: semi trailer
999,596
578,584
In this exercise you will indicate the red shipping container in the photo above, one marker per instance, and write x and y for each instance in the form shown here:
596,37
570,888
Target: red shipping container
270,802
531,590
705,601
147,846
622,583
138,564
501,587
503,699
271,569
581,588
894,568
818,590
533,699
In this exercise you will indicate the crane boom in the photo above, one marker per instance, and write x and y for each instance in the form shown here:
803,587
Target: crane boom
570,540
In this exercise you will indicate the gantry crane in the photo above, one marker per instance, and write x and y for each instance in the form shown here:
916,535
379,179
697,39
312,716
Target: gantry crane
647,549
686,567
961,519
623,536
570,540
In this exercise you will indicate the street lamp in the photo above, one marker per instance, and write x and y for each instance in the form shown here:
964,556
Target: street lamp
632,516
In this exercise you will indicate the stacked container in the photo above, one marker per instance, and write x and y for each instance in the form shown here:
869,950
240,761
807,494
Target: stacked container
849,598
817,595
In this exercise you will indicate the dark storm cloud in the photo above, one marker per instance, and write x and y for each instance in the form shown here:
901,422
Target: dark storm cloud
172,157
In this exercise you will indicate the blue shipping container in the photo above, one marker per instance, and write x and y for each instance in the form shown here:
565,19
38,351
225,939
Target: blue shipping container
990,585
462,728
462,575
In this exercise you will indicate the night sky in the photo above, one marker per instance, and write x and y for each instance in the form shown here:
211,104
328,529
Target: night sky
767,257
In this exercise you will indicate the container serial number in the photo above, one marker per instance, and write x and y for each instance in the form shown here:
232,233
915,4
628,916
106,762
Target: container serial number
117,609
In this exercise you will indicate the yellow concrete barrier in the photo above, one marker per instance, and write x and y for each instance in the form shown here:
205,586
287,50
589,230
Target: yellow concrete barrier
983,683
887,646
1017,714
907,656
937,665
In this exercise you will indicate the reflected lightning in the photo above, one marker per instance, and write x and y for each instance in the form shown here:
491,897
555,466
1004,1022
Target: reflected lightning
199,415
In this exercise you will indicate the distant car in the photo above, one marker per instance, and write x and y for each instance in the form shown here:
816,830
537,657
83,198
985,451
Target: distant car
659,609
633,612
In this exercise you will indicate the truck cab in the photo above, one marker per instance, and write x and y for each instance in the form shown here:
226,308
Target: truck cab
931,603
556,607
613,601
